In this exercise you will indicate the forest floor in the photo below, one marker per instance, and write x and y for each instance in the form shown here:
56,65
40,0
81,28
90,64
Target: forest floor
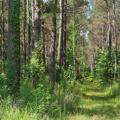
99,103
96,102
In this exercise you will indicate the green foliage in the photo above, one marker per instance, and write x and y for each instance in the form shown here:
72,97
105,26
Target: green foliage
118,64
8,111
39,101
10,77
104,68
68,74
100,67
3,86
72,95
38,98
36,69
61,103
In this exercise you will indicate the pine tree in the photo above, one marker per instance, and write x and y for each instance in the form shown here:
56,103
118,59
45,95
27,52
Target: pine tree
13,48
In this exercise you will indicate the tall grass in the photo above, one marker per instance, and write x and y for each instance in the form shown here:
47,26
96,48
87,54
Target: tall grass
65,103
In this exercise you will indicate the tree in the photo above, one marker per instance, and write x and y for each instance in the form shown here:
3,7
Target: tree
35,22
64,32
61,3
13,42
24,33
28,31
62,35
52,46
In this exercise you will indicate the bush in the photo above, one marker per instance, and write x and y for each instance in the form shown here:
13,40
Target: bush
104,68
3,85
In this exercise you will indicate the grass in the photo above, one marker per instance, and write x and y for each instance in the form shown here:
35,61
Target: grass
14,113
94,104
99,105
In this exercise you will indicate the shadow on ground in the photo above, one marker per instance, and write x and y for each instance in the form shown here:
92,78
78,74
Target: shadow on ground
107,111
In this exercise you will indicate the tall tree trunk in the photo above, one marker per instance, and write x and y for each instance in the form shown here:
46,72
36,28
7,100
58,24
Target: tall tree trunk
35,22
108,37
109,34
52,47
115,38
64,32
28,31
74,43
13,51
60,42
24,34
35,29
43,44
3,36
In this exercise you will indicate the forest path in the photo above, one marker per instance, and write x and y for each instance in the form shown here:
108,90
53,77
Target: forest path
99,103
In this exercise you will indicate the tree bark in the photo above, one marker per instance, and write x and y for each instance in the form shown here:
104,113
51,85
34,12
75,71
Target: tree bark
28,31
60,36
64,32
35,22
43,44
24,34
115,38
3,36
13,51
52,47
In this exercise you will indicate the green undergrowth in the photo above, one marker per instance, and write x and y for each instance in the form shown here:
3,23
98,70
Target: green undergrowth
99,104
68,101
